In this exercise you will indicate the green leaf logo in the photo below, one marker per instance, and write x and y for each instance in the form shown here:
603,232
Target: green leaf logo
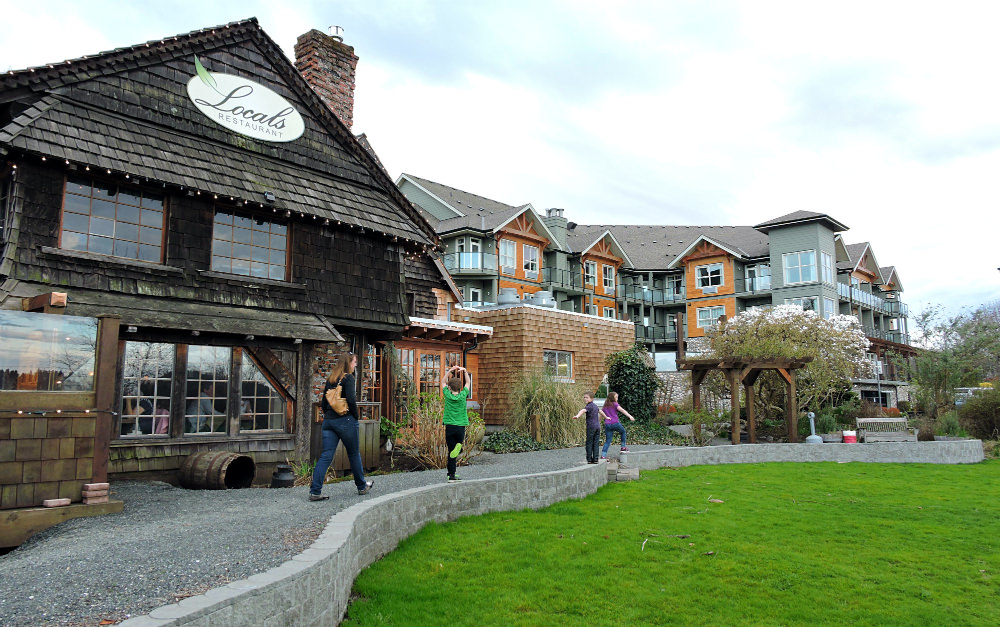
203,74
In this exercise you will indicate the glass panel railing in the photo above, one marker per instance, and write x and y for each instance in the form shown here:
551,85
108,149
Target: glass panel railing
753,284
562,278
650,296
474,304
655,333
457,263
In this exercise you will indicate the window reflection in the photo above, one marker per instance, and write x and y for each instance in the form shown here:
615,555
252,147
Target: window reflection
47,352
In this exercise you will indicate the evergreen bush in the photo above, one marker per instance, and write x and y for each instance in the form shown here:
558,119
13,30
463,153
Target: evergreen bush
980,415
636,383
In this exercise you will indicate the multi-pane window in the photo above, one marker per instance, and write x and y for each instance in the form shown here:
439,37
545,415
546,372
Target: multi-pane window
558,364
708,276
609,312
799,267
592,310
530,261
807,303
829,308
261,407
590,272
249,246
150,376
207,393
827,267
508,256
430,372
111,219
475,295
609,279
402,382
675,285
709,316
147,381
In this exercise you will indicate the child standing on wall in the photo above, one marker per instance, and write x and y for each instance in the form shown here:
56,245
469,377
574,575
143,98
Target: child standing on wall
612,423
456,386
594,414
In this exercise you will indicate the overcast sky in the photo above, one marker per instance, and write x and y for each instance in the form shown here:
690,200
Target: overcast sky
884,115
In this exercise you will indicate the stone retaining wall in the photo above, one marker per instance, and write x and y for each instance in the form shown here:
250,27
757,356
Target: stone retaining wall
955,452
313,588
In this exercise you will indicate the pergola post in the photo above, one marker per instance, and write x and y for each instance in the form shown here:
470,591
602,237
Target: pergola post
751,426
733,375
697,376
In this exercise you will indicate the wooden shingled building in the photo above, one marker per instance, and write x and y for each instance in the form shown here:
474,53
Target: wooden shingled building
189,236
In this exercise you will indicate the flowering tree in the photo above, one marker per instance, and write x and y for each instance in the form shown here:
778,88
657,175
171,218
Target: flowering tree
837,345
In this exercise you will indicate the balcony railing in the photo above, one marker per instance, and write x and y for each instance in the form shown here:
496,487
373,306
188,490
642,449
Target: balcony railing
471,263
892,336
650,296
474,304
566,279
753,285
897,308
858,295
655,334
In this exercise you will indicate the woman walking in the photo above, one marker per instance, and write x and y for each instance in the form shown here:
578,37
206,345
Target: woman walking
612,424
338,428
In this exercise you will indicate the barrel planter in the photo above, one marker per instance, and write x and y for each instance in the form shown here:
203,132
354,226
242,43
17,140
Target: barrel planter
217,470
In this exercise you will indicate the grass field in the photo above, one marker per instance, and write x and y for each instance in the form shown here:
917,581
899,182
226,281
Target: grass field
761,544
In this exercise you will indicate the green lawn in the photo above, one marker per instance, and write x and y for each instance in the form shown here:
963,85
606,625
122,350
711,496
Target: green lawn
790,544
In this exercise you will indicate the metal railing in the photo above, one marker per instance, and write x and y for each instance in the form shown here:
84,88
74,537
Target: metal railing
858,295
655,333
470,263
898,337
473,304
897,308
562,278
753,285
650,296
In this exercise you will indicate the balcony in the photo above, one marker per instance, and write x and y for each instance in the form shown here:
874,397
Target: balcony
476,304
890,336
897,308
858,295
562,279
470,263
753,285
655,334
645,295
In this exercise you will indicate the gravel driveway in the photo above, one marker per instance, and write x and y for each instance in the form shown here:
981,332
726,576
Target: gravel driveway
170,543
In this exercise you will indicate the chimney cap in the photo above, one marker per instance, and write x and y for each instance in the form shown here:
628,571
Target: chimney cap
337,32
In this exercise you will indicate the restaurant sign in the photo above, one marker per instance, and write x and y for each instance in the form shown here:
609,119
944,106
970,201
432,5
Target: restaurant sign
244,106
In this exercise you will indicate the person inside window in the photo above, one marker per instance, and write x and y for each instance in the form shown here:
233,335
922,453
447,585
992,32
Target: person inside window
201,413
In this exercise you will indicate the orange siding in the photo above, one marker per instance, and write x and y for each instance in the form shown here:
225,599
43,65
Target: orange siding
692,312
728,279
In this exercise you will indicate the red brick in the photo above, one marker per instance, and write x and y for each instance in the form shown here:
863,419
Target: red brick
96,486
92,493
56,502
94,500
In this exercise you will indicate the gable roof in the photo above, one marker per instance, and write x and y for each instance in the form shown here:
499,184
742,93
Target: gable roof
891,277
127,111
857,253
800,217
581,239
473,212
656,246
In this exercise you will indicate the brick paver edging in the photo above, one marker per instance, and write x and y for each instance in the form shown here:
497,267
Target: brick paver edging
312,589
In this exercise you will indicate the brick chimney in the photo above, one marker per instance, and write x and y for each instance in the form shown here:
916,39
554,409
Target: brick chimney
329,65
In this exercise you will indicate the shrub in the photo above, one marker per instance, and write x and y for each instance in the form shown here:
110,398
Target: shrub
903,406
510,442
847,411
424,438
555,403
980,415
636,383
947,424
891,412
653,433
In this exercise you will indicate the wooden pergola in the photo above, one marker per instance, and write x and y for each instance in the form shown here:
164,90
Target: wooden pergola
745,373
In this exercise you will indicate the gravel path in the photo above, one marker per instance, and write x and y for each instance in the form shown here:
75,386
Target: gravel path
170,543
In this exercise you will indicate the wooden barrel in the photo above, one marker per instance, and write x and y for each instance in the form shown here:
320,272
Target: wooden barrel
217,470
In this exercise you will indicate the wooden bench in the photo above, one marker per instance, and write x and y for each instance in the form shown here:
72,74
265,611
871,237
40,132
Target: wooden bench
885,430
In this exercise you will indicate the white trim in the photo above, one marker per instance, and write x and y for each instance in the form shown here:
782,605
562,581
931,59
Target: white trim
538,222
674,264
621,251
458,214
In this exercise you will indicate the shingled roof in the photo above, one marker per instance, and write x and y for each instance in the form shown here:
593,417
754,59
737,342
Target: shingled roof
127,111
800,217
655,246
471,210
